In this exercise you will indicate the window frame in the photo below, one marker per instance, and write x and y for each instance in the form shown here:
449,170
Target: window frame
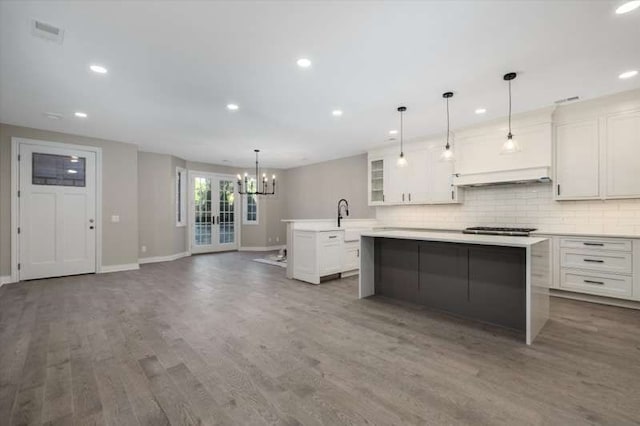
181,196
245,206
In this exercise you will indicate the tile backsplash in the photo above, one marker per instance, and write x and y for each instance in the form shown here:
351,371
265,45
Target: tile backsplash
518,205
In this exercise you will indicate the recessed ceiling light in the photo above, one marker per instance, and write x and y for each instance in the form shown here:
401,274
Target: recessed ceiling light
481,110
71,171
628,74
393,132
232,107
336,112
628,7
80,114
304,62
98,69
53,115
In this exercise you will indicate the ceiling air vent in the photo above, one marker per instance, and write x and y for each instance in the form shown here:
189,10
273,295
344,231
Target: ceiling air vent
565,100
53,115
46,31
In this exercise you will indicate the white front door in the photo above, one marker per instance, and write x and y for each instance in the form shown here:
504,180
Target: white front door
57,211
213,213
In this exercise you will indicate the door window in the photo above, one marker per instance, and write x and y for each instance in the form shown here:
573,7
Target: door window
60,170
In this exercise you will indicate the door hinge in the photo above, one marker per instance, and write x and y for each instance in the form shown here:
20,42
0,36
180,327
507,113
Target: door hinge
19,157
18,193
19,266
18,229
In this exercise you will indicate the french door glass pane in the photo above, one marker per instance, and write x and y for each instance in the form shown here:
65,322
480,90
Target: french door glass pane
202,225
227,208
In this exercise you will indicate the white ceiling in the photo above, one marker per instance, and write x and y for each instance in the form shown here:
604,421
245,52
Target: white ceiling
173,66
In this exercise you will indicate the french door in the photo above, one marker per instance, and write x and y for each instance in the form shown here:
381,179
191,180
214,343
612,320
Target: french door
57,211
214,212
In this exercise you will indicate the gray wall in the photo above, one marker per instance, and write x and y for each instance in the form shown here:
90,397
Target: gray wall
157,205
313,191
119,192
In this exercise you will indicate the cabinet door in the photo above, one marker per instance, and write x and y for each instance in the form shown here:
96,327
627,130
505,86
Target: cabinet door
577,161
444,277
623,155
417,177
395,181
439,179
351,256
376,181
330,261
497,285
396,269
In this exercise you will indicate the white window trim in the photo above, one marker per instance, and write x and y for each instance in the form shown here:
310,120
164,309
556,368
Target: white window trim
181,204
245,204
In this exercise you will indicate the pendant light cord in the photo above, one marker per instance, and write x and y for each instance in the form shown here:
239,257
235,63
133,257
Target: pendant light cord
448,146
401,133
509,107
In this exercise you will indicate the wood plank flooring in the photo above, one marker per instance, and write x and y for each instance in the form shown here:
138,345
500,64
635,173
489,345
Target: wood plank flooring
219,339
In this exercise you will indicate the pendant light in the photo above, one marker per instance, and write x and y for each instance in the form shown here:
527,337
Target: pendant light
447,153
245,187
511,145
402,161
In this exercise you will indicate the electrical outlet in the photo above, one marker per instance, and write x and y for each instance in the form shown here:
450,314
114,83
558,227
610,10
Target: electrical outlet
277,239
144,249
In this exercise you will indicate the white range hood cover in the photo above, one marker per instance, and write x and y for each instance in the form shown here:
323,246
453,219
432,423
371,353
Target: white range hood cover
529,175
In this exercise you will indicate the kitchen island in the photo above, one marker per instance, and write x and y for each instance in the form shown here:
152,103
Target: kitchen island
501,280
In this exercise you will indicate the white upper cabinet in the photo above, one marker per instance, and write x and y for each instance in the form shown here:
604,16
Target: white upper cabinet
623,155
577,161
597,147
424,180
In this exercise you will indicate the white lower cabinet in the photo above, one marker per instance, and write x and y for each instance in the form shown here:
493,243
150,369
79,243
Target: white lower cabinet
607,267
321,253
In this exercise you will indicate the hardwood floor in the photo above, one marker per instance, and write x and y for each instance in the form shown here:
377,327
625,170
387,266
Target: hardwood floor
218,339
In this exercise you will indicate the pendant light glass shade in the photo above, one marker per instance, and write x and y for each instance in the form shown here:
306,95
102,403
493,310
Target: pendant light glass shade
510,146
402,161
447,152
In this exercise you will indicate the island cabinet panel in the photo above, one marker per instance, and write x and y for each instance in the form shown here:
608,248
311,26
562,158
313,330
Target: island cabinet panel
444,277
497,285
396,271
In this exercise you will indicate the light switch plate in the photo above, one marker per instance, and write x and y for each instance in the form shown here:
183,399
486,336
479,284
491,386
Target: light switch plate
115,218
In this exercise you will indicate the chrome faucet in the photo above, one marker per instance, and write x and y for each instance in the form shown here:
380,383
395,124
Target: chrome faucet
342,203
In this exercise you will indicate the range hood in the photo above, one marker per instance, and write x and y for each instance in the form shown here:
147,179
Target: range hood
504,177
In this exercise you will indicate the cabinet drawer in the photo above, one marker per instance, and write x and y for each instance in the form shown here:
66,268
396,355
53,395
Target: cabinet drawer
596,243
333,236
595,283
605,261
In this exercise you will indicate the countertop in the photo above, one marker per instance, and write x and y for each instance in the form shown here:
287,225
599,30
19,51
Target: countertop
539,232
490,240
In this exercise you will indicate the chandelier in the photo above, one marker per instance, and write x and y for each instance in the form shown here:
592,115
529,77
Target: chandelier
247,188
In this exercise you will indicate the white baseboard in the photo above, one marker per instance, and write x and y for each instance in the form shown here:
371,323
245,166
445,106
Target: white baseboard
268,248
6,279
118,268
156,259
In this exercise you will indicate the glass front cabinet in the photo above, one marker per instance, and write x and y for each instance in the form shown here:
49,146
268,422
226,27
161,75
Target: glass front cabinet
376,181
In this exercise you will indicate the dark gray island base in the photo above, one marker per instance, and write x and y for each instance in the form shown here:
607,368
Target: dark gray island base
497,280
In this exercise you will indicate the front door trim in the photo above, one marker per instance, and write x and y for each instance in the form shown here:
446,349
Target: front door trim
15,187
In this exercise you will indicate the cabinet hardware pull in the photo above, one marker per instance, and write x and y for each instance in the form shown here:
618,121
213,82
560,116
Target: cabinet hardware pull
409,196
358,253
383,198
403,197
452,195
594,260
593,282
558,189
593,244
333,236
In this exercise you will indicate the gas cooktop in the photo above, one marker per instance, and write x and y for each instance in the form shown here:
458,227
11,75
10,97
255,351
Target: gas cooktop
488,230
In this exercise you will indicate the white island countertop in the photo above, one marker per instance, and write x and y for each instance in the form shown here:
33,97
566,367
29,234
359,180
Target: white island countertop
446,237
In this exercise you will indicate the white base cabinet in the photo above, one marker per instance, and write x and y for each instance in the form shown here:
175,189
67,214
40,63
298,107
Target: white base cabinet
322,253
608,267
